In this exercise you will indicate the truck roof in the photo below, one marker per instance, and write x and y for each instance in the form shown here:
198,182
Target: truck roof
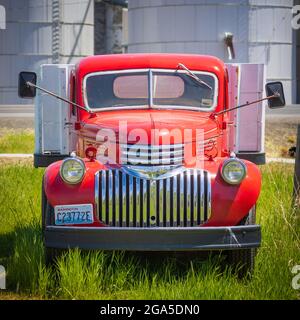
149,60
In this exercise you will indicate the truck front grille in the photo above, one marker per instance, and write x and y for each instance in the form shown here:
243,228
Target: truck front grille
138,154
182,200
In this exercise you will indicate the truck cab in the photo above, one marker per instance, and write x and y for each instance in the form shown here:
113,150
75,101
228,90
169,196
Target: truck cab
141,154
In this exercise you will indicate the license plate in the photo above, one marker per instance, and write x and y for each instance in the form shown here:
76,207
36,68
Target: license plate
74,214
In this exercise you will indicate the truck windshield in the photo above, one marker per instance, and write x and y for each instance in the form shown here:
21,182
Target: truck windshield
150,88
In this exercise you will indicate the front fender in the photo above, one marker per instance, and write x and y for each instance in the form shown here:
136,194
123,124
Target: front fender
60,193
231,203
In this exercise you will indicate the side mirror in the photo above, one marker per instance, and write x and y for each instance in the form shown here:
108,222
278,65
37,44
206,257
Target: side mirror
25,90
275,89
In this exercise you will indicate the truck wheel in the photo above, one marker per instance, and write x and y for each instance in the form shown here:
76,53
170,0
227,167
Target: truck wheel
51,254
242,260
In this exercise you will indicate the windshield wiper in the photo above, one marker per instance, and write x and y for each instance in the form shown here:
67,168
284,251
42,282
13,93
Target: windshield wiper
192,75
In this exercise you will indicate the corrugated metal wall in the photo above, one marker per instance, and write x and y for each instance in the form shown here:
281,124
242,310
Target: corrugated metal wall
42,31
77,29
24,44
261,28
271,40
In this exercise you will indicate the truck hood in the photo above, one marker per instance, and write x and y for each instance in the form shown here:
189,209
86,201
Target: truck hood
151,126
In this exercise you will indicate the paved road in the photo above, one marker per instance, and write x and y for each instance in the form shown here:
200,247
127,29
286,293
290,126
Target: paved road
291,111
16,111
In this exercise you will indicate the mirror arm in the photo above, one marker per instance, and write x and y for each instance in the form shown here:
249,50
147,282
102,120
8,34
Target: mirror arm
244,105
28,83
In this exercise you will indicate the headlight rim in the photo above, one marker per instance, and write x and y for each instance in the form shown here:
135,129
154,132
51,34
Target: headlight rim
225,163
80,161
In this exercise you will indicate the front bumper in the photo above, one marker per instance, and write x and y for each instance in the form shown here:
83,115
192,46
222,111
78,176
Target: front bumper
153,239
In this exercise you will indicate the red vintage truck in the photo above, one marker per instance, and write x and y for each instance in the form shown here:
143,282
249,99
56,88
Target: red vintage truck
142,153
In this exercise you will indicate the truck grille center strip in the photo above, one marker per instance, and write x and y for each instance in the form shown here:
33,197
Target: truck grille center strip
183,200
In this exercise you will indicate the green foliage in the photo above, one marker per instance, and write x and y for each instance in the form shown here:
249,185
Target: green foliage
119,275
17,142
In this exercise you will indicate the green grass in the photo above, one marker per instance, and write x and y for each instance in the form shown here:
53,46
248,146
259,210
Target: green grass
16,141
100,275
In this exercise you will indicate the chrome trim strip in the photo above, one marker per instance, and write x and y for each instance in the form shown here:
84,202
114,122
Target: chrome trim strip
208,194
194,220
202,212
131,195
96,182
117,188
168,213
181,194
126,160
188,196
216,91
138,203
103,188
143,154
174,203
123,187
153,209
152,147
144,195
110,207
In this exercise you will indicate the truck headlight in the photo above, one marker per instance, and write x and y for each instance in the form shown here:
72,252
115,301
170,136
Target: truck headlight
233,171
72,170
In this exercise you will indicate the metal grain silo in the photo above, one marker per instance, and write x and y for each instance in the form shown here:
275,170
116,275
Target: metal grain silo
42,31
261,31
271,41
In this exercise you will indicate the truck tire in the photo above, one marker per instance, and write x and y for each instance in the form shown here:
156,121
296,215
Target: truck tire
242,260
51,254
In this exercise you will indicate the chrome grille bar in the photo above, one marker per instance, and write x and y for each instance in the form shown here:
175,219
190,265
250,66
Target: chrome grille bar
182,200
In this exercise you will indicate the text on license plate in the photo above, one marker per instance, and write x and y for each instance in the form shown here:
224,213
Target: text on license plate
73,214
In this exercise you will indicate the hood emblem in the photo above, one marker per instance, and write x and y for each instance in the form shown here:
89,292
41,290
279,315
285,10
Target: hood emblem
152,172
